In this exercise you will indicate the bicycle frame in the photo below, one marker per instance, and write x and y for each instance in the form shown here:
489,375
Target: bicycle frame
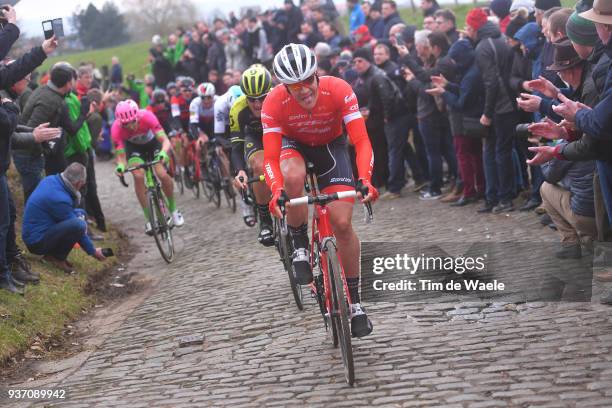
322,232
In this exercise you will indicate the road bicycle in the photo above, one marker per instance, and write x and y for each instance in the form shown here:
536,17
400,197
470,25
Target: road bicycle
282,241
193,169
157,204
214,182
329,286
173,168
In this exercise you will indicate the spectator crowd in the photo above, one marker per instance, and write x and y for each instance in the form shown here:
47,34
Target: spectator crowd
510,108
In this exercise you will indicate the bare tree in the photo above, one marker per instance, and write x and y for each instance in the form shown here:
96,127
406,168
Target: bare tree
148,17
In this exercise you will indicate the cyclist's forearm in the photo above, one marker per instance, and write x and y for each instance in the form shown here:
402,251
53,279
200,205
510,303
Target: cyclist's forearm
237,158
272,148
358,136
120,158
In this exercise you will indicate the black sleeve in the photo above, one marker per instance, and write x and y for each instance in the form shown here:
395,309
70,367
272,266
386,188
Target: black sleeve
587,148
238,162
8,36
9,115
67,124
21,67
386,93
555,170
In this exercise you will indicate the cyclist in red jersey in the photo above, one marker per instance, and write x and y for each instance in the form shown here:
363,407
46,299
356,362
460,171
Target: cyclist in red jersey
160,107
302,120
180,114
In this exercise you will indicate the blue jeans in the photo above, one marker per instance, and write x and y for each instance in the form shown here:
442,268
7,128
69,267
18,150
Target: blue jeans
30,170
438,142
396,134
504,129
417,158
604,170
490,169
59,240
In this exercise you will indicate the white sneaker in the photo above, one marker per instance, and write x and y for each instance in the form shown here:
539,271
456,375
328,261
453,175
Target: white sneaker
177,218
360,324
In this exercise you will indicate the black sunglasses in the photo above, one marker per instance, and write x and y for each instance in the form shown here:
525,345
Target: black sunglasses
256,98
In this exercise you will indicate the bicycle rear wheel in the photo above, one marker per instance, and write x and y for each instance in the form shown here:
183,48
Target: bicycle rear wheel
215,177
159,214
284,246
230,195
339,312
207,186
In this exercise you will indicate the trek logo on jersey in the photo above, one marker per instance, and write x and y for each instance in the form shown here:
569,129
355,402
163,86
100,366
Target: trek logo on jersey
264,115
354,107
269,171
349,98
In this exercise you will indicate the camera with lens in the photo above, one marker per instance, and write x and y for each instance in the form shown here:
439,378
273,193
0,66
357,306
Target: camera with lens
522,130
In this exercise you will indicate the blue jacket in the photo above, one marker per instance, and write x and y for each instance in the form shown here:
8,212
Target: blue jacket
598,121
468,97
577,178
377,27
356,19
51,203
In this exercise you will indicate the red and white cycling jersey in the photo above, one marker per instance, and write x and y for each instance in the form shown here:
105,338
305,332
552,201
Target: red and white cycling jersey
282,115
336,103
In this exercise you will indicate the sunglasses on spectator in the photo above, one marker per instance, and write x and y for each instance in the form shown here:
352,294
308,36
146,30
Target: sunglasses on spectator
304,84
257,98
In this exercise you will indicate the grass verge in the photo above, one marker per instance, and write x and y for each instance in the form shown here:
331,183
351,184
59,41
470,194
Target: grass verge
30,324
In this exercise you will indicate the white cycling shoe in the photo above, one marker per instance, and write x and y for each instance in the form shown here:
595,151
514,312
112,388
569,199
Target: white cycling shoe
360,324
177,218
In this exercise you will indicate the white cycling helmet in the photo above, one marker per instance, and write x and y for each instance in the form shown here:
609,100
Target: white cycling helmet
206,89
294,63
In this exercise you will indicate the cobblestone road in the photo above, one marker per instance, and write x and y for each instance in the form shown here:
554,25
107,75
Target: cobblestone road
260,350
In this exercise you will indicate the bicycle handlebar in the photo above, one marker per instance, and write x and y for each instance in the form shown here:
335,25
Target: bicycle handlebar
137,167
253,179
324,199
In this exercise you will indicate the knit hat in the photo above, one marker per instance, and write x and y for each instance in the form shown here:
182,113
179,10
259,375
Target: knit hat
527,4
363,52
476,18
547,4
501,8
581,31
362,29
514,26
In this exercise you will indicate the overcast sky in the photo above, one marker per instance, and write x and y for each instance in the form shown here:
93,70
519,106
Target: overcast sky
30,13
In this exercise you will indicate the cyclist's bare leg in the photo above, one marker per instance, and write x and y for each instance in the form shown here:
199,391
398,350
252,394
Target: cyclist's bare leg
224,161
184,145
139,187
340,214
178,151
294,171
166,181
261,190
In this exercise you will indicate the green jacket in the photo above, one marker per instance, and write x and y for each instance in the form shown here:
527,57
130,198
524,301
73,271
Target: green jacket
139,86
81,141
174,54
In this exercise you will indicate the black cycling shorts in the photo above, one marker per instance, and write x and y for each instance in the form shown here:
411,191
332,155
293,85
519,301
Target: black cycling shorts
332,162
252,144
140,153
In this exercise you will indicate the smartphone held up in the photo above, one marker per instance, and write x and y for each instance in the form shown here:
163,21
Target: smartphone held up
53,27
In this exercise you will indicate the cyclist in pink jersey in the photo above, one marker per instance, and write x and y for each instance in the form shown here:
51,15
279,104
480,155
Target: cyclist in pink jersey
138,137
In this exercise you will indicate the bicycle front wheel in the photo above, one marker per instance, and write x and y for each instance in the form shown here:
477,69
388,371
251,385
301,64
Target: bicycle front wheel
159,214
230,195
339,312
285,249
